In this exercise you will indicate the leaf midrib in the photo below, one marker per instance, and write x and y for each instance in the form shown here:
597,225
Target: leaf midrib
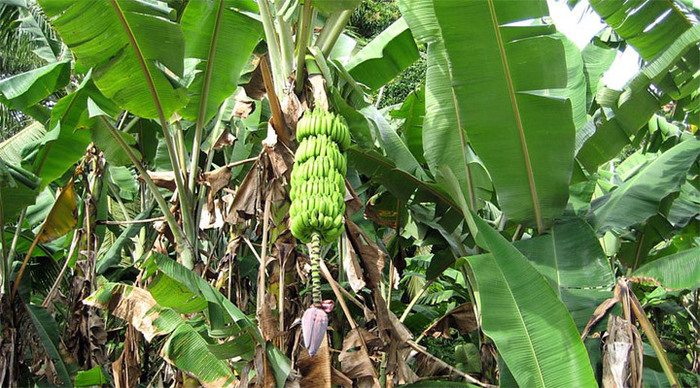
522,321
141,60
206,84
518,120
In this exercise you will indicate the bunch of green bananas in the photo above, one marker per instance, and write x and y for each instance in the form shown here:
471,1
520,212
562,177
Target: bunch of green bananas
318,177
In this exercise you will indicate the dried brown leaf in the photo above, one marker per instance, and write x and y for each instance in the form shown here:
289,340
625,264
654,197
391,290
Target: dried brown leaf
225,140
352,267
599,313
616,352
255,88
461,318
132,304
315,371
163,179
338,378
246,199
216,180
127,368
354,360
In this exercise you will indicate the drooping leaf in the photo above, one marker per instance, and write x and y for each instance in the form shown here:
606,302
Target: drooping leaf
124,180
639,197
210,29
18,189
680,271
136,306
603,137
11,149
63,216
28,89
184,348
47,331
519,309
170,293
385,56
571,259
113,255
198,286
187,350
125,42
649,26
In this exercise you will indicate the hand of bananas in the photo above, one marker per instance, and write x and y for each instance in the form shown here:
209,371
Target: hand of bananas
318,176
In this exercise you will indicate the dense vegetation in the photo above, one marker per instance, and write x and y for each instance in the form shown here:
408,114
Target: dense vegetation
418,193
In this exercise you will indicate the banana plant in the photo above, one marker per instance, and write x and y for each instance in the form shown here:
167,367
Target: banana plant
212,193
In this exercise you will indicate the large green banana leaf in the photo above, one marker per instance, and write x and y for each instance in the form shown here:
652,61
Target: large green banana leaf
572,260
531,327
639,197
513,128
26,90
11,149
125,42
678,271
212,29
385,56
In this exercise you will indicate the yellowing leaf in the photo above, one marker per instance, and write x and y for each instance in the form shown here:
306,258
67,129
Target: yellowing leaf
63,216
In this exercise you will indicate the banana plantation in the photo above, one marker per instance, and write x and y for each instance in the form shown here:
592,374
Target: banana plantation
349,193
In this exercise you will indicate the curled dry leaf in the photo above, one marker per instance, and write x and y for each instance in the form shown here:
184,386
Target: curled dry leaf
338,378
246,200
216,180
163,179
132,304
461,318
291,109
355,362
244,105
87,336
618,349
127,368
255,88
315,370
352,266
372,260
226,139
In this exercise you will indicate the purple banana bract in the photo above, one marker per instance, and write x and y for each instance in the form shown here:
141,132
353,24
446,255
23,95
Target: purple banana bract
314,324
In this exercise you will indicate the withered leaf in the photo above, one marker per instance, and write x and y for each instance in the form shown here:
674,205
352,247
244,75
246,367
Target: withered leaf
354,359
163,179
315,371
216,180
246,199
132,304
